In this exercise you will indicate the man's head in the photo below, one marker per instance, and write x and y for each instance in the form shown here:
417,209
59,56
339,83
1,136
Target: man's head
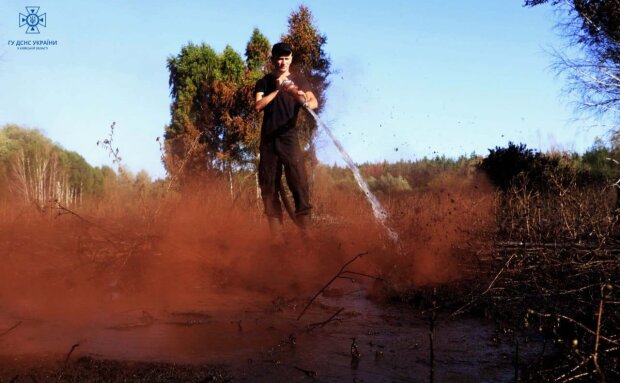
281,56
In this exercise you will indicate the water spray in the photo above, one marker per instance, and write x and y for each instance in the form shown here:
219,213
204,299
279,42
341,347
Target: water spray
377,209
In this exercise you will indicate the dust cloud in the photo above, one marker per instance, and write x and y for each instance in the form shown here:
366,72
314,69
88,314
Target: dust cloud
199,246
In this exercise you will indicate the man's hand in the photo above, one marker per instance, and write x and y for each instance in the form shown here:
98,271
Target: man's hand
307,99
289,87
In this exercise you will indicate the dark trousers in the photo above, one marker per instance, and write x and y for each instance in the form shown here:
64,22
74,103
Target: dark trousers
277,152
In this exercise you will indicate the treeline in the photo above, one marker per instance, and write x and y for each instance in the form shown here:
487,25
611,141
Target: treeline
34,169
516,165
505,167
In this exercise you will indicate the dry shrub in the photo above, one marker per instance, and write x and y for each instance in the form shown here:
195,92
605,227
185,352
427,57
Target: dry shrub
564,211
557,268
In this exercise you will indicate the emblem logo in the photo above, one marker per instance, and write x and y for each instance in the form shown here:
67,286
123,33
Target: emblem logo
32,20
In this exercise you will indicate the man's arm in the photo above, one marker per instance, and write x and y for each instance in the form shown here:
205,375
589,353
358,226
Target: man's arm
262,101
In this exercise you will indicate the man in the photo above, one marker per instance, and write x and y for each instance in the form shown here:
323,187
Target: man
280,95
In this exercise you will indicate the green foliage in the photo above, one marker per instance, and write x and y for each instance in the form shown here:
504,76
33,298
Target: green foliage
214,127
36,150
33,166
212,110
598,164
232,66
519,166
516,165
335,176
193,66
257,53
419,174
400,177
14,138
503,165
80,173
388,184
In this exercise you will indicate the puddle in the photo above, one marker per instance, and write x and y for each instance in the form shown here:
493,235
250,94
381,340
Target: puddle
259,338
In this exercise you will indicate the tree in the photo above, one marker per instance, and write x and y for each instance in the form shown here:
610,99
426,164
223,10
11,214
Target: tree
309,58
504,165
597,163
214,127
211,110
257,53
37,170
389,184
594,73
311,61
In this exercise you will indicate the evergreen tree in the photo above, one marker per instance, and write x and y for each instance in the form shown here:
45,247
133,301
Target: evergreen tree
210,110
309,58
257,53
214,128
312,63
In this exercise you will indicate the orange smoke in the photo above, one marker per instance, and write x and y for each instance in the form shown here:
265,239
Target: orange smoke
115,254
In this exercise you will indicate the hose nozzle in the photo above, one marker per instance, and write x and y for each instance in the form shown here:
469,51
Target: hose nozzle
289,87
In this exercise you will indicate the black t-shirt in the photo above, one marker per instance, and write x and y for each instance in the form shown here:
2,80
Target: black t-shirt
280,115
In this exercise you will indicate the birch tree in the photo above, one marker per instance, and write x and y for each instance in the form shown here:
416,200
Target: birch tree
593,27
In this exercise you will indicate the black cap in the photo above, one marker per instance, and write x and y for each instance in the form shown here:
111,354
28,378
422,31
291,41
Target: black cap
281,49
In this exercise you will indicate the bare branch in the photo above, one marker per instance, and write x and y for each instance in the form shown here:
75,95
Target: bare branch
11,329
338,275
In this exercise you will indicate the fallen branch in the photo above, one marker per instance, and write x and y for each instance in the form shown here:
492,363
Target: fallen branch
71,352
338,275
308,373
64,367
598,335
65,210
11,329
572,370
321,324
578,324
462,308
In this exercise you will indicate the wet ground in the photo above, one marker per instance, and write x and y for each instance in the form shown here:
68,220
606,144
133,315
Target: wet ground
256,337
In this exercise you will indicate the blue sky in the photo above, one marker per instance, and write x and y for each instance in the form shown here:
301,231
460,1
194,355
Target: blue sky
414,78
